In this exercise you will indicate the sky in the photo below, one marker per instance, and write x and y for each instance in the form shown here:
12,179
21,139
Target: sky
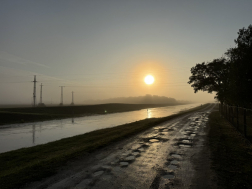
103,49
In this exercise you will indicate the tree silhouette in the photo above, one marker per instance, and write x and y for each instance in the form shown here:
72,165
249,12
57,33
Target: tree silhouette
240,58
229,77
211,77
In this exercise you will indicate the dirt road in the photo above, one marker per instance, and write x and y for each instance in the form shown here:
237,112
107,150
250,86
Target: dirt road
169,155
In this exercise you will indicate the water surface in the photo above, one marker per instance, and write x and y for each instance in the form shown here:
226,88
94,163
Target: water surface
17,136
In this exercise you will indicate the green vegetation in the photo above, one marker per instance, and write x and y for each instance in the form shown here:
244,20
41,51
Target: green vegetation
231,154
230,76
29,114
21,166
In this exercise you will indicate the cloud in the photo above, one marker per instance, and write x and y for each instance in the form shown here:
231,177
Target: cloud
18,60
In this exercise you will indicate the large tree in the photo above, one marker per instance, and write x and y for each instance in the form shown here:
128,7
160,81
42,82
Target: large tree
211,77
240,58
229,77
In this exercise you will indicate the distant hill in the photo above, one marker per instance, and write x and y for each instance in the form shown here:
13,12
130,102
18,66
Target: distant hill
147,99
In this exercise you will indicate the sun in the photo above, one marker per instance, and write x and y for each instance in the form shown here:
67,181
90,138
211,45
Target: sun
149,79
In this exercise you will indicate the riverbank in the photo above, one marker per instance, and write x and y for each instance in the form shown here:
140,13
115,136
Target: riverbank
231,154
35,163
34,114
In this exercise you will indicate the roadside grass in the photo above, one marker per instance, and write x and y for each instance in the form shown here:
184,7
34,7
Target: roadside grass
231,154
32,114
25,165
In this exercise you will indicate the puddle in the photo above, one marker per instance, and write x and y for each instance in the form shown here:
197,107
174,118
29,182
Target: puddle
172,167
154,140
186,141
164,133
169,176
176,155
124,164
136,146
141,149
185,145
130,158
106,167
145,145
126,154
136,154
98,173
174,162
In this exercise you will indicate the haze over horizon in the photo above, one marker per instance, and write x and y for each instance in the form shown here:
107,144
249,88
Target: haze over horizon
104,49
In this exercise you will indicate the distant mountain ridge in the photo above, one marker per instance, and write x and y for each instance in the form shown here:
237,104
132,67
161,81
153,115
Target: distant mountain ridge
147,99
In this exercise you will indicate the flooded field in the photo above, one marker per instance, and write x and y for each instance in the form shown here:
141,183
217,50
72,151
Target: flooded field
17,136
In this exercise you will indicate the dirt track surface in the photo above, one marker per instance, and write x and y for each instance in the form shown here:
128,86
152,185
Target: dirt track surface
173,154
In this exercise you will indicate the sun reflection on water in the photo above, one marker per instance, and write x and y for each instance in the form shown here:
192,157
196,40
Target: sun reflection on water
149,113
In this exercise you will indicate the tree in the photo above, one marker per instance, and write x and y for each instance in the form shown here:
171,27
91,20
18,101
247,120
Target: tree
229,77
211,77
240,58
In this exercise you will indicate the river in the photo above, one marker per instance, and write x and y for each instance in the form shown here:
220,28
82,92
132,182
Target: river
17,136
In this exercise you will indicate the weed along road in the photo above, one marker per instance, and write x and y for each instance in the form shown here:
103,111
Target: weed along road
168,155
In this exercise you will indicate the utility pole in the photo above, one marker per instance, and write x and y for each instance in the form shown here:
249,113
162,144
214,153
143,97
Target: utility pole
34,91
40,102
41,93
72,98
61,101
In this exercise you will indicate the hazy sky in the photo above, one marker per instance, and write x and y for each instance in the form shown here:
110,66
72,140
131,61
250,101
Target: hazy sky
103,49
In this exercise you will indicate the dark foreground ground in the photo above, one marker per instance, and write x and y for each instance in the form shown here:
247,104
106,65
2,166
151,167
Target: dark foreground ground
231,154
30,114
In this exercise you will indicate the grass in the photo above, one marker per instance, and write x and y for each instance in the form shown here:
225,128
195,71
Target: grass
30,114
25,165
231,154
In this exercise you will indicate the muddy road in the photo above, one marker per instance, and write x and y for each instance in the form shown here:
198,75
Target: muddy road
170,155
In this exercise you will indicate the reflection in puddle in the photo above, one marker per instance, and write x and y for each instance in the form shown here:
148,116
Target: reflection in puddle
172,167
176,155
130,158
170,176
124,164
154,140
174,162
98,173
185,145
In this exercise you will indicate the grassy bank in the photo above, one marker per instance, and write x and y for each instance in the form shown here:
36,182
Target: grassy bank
30,114
34,163
231,154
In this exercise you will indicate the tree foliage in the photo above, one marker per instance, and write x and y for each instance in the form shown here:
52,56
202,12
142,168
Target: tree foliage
211,77
229,76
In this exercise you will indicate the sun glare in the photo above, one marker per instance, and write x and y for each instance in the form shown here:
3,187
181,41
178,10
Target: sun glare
149,79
